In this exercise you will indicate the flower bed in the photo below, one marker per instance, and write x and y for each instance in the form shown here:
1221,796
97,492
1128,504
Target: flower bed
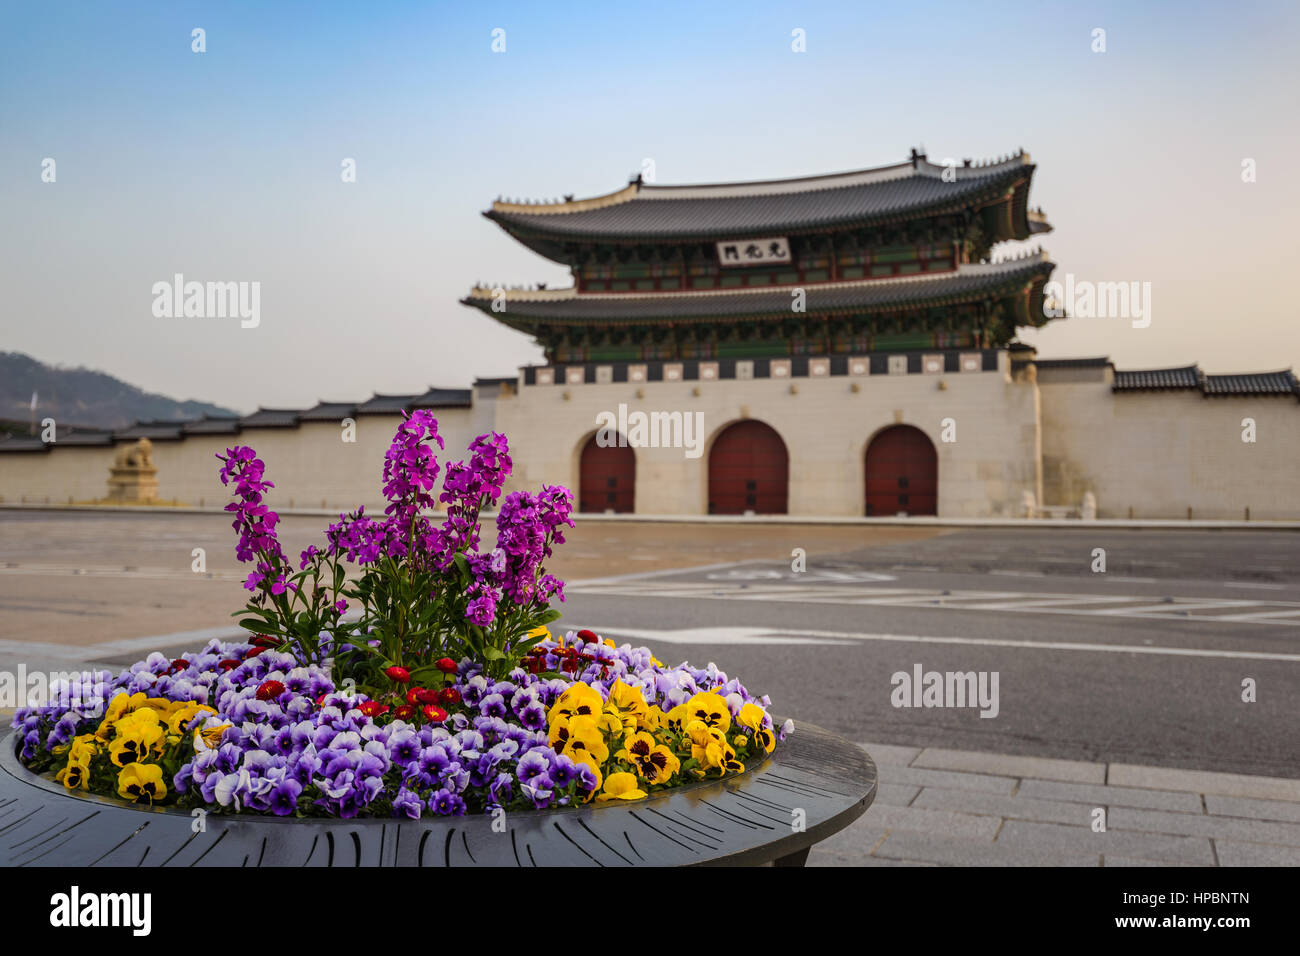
448,695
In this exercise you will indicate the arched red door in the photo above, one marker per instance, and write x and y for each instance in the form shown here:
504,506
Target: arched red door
606,478
749,470
902,473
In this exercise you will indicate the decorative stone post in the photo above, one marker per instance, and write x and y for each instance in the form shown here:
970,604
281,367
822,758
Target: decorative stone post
133,476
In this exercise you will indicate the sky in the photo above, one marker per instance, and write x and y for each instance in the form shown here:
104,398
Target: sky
225,165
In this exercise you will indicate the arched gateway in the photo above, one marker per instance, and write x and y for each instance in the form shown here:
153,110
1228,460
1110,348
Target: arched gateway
902,473
606,478
749,470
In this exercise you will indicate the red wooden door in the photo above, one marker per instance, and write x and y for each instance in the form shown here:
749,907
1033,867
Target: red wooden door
902,473
749,470
606,478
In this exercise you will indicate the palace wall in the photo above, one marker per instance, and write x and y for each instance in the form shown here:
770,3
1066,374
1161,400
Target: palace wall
1155,452
1162,452
826,424
310,465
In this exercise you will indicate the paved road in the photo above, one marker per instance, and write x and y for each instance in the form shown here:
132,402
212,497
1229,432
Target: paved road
1144,663
1141,664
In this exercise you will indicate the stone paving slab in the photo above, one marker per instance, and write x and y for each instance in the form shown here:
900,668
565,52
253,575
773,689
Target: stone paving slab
1255,854
944,778
1254,809
931,848
1105,796
1047,837
1008,808
967,808
1204,781
941,822
896,794
1187,824
1008,765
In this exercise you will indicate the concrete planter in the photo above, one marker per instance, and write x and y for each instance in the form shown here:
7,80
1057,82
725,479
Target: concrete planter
748,819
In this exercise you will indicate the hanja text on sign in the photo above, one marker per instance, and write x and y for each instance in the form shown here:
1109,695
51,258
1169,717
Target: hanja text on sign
946,689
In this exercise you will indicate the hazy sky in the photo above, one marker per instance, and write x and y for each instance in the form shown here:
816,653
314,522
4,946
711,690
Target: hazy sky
225,165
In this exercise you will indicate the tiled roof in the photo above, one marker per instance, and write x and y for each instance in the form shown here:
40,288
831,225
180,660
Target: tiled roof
329,412
649,212
1188,376
1191,376
867,295
1096,362
271,418
210,425
1259,383
154,431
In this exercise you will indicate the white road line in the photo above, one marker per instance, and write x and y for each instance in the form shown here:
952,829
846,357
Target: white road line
1138,606
765,635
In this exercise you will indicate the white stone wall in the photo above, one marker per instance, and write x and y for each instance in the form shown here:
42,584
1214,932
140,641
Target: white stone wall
1160,453
826,425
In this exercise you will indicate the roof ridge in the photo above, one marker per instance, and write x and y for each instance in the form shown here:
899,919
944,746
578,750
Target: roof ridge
920,166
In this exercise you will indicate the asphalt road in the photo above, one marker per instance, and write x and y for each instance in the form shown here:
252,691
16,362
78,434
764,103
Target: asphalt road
1142,663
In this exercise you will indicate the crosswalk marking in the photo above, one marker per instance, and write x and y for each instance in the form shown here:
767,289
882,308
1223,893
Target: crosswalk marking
1231,610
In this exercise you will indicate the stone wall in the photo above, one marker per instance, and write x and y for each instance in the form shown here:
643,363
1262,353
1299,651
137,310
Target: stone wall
1160,453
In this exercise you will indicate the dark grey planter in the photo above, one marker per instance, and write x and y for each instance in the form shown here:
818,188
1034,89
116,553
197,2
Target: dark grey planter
743,820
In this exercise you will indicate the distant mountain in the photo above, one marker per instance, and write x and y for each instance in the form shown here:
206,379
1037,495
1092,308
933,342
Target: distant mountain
82,396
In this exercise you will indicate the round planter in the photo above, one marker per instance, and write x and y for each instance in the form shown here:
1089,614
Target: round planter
814,784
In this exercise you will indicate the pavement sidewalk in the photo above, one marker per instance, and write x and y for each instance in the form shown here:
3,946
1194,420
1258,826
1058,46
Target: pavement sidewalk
938,807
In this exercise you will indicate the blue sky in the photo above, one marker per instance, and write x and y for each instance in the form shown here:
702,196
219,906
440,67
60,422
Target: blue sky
225,165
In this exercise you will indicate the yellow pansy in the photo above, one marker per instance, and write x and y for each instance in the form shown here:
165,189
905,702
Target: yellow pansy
207,738
141,782
628,703
134,738
185,713
676,719
654,762
654,719
708,745
580,700
541,630
75,776
710,709
620,786
577,735
83,748
751,717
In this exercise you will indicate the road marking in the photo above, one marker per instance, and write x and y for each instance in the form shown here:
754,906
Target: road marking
767,635
1141,607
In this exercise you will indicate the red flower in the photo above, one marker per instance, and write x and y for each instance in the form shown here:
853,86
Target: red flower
589,635
413,695
373,708
320,701
229,664
270,690
433,713
398,674
262,640
446,665
425,696
448,695
178,665
253,652
405,712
